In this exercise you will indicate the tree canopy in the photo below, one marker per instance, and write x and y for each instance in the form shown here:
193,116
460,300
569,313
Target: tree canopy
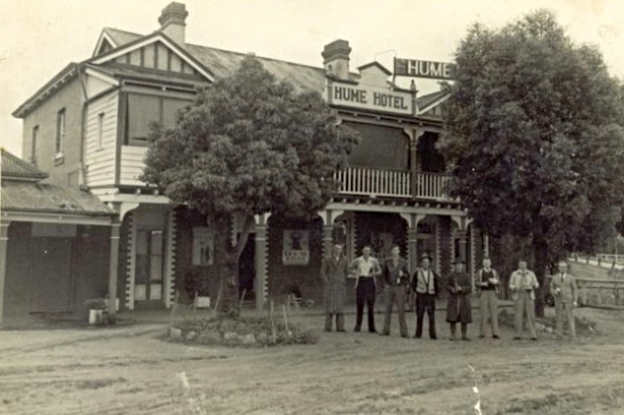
535,140
249,145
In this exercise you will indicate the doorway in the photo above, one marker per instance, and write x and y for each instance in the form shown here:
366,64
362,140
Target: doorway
246,270
149,266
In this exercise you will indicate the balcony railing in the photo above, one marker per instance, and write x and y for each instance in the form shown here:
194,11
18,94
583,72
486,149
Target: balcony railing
391,183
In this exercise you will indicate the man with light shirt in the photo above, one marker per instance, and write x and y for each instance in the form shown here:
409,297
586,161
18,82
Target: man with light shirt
523,284
563,287
487,281
425,284
366,269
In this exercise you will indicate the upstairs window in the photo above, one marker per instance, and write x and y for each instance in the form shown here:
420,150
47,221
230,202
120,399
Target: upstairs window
60,133
33,145
142,110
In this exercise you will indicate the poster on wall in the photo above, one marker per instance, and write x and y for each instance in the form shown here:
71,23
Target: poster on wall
296,248
203,246
382,243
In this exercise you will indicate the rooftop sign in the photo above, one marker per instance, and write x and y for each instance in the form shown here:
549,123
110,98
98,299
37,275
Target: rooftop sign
371,98
424,69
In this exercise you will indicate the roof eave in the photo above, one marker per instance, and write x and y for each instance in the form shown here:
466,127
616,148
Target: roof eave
63,76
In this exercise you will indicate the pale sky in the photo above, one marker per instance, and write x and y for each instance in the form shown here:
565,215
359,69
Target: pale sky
40,37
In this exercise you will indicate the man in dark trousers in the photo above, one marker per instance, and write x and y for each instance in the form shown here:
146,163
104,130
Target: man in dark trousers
458,309
334,271
425,284
366,269
395,278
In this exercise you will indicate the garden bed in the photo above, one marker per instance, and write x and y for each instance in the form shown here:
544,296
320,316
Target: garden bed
242,332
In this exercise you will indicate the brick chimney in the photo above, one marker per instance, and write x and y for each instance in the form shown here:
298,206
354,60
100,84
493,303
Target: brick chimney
172,22
336,58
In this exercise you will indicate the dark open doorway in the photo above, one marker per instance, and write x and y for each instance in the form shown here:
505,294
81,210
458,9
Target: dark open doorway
247,272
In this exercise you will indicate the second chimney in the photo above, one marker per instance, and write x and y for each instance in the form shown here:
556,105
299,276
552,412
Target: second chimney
336,58
172,22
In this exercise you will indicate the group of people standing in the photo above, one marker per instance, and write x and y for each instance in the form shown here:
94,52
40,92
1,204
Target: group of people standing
393,275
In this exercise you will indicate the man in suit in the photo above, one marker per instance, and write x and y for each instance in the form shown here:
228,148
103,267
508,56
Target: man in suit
366,269
487,282
523,284
334,271
395,277
563,287
425,283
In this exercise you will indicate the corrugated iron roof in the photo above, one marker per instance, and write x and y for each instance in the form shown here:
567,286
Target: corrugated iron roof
121,37
50,198
21,191
14,167
224,63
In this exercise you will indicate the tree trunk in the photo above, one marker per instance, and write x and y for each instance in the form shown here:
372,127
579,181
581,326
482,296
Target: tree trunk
540,253
225,266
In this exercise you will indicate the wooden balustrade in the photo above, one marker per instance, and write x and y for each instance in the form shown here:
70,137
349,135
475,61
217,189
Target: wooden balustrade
391,183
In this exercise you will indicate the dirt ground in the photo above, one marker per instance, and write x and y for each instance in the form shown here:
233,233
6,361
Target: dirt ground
133,370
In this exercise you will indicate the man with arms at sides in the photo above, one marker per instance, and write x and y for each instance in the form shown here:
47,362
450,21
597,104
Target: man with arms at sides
366,269
334,271
395,276
563,287
459,309
487,282
425,283
522,284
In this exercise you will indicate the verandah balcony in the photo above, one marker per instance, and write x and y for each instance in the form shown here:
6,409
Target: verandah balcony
392,183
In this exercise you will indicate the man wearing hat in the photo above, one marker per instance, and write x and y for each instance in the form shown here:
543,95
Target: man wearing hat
458,309
487,282
425,284
522,285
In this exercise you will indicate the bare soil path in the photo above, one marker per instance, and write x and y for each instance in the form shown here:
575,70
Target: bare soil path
133,370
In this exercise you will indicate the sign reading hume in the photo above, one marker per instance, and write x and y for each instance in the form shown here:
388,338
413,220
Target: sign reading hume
424,69
371,98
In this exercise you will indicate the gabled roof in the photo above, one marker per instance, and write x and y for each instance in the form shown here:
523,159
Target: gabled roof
14,168
157,36
117,37
426,102
377,65
211,62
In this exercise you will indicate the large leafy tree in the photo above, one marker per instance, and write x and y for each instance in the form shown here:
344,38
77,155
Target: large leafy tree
248,145
535,138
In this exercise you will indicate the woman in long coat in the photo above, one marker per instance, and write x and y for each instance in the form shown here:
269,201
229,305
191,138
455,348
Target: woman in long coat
458,309
334,271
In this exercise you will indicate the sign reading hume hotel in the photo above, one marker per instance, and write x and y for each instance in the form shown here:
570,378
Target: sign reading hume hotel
371,98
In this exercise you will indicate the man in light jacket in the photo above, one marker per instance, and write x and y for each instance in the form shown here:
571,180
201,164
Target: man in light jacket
563,287
522,284
487,282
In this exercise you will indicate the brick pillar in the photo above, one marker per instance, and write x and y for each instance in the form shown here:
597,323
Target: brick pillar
260,259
